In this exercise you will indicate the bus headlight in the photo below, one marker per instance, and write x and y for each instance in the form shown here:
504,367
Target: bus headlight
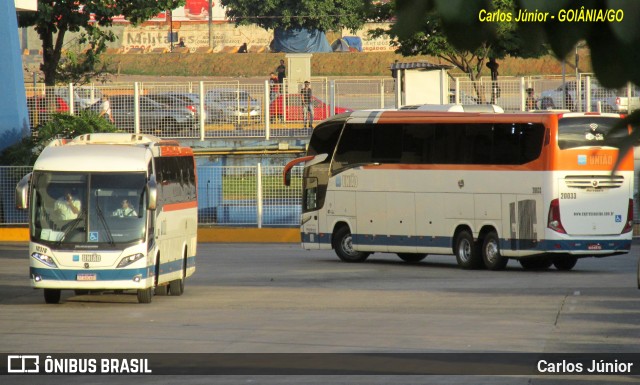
47,260
126,261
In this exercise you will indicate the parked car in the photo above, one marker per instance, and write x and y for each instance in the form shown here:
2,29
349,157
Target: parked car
155,118
41,107
177,102
551,99
231,105
289,108
190,98
83,96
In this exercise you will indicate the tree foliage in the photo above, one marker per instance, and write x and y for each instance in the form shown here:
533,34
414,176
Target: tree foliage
613,42
60,125
89,17
323,15
429,34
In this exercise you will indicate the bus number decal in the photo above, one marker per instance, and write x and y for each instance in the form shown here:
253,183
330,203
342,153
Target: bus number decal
568,196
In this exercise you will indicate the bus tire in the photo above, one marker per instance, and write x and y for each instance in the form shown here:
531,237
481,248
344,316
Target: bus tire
342,243
176,287
145,295
52,295
536,263
412,257
565,262
491,256
161,290
466,250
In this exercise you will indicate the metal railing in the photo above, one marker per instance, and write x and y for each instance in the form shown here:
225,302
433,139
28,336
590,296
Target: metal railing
227,195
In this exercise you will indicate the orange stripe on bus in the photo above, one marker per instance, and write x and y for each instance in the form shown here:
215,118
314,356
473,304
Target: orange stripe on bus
180,206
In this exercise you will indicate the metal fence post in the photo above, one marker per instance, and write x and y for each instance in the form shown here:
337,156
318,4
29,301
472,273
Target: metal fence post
259,194
267,104
332,97
136,107
381,93
523,93
587,94
72,104
202,110
456,93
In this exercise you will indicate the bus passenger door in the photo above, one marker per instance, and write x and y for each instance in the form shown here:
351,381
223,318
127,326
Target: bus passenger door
310,221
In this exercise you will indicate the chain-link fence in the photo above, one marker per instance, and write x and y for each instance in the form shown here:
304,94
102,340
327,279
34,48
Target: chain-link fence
227,195
9,178
526,93
209,110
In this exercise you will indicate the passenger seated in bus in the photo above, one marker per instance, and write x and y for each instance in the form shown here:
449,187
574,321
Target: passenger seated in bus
67,207
125,210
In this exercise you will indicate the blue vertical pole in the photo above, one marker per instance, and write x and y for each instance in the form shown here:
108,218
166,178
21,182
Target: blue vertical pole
14,116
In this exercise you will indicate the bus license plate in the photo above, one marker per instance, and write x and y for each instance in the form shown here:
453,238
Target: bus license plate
86,277
595,246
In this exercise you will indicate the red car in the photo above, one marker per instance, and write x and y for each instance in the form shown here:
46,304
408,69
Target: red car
292,109
40,108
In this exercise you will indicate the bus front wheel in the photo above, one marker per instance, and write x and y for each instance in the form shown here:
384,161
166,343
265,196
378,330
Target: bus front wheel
343,244
467,251
52,295
145,295
491,253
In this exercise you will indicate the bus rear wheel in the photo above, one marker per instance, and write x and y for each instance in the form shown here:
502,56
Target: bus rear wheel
412,257
343,244
52,295
176,287
565,262
466,251
491,253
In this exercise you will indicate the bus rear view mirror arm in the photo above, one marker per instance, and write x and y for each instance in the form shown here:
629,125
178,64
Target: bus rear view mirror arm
311,160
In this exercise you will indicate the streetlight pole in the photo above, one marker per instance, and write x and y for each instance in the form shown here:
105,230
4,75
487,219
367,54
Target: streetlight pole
210,24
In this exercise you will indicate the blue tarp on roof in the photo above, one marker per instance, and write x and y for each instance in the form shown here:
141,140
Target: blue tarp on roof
300,41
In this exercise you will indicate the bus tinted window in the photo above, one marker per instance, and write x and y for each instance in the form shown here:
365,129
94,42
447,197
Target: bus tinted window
504,144
584,131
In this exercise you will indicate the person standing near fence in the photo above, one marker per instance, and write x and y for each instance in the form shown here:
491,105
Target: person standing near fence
307,105
530,102
274,86
495,88
105,109
281,70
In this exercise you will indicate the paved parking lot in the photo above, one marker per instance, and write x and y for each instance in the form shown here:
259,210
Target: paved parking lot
277,298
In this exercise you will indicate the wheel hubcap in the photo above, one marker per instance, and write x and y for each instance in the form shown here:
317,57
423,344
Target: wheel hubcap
492,252
347,246
465,250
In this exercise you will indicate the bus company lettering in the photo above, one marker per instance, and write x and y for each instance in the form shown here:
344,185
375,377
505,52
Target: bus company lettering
91,257
347,181
601,160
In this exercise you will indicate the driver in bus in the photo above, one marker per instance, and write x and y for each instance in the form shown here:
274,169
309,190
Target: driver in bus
125,210
67,207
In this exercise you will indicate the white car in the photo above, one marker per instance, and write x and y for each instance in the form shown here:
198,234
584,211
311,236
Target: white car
553,99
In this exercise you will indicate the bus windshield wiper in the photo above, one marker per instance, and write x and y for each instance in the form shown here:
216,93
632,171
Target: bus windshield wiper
71,226
104,222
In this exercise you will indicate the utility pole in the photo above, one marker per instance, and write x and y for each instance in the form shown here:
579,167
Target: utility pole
211,24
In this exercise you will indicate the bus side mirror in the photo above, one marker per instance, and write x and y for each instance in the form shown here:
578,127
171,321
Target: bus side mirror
311,160
22,192
152,193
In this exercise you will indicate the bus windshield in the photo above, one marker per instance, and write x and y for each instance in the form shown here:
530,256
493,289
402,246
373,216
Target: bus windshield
586,131
88,208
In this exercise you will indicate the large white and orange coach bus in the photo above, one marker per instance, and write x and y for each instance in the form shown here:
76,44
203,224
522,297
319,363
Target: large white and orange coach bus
111,212
485,187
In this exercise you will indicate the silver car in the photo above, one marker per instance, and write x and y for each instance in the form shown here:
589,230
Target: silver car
231,105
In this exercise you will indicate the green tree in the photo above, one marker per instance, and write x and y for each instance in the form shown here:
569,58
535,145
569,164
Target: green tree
611,29
323,15
89,17
59,126
429,34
